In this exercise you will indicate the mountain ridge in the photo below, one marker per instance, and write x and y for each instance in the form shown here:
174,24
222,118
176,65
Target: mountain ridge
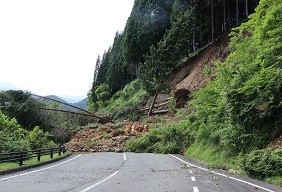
5,86
80,104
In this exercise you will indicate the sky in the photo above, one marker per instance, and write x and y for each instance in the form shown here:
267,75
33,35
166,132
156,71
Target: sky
51,46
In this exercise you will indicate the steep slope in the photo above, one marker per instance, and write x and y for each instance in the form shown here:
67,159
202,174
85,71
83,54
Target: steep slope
195,73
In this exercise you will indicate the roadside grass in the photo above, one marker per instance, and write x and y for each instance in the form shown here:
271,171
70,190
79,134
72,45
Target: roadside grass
214,158
32,161
218,159
274,180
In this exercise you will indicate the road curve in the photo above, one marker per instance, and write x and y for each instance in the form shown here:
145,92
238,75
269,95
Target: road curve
127,172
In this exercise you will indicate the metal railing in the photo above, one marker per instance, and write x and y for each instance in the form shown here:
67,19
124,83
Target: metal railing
21,156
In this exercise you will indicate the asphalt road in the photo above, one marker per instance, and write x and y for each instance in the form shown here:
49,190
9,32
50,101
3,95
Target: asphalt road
127,172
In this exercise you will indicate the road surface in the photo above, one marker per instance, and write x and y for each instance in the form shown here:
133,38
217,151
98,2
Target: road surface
127,172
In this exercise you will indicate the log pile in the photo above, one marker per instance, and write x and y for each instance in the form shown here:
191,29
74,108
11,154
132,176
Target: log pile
157,108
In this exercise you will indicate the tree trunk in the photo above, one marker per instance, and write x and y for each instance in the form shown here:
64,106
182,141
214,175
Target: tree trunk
217,24
153,103
224,16
237,12
138,70
194,42
212,25
200,32
246,9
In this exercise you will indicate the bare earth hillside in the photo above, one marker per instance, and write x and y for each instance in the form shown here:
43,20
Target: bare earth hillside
191,75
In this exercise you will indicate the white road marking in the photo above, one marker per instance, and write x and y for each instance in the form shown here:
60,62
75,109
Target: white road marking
246,182
188,163
100,182
195,189
39,169
193,178
190,171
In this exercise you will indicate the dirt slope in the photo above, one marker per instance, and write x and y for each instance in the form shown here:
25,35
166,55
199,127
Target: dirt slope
191,75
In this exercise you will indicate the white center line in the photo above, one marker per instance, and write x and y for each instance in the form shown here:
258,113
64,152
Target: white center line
39,169
195,189
100,182
246,182
193,178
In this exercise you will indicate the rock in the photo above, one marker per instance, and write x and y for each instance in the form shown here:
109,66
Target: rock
115,132
119,150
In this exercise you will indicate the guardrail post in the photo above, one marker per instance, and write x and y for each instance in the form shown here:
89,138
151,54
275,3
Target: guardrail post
21,158
38,154
51,153
64,149
60,150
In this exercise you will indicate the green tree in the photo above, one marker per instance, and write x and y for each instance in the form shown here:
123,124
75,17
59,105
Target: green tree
118,75
24,108
39,139
103,94
12,135
176,44
145,27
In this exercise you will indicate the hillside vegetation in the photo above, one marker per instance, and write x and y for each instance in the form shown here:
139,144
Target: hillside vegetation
24,124
237,115
16,138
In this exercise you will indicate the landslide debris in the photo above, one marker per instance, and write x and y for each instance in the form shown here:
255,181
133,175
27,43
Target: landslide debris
198,71
107,138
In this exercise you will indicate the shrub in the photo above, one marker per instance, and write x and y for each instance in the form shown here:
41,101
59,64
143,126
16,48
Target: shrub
125,103
263,163
39,139
12,135
162,139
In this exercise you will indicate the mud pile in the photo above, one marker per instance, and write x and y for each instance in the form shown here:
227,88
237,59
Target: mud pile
105,139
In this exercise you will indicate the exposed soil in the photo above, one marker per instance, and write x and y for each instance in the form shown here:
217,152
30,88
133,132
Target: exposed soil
106,138
197,72
276,144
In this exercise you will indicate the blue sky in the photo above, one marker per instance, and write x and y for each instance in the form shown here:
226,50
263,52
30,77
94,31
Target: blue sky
50,47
